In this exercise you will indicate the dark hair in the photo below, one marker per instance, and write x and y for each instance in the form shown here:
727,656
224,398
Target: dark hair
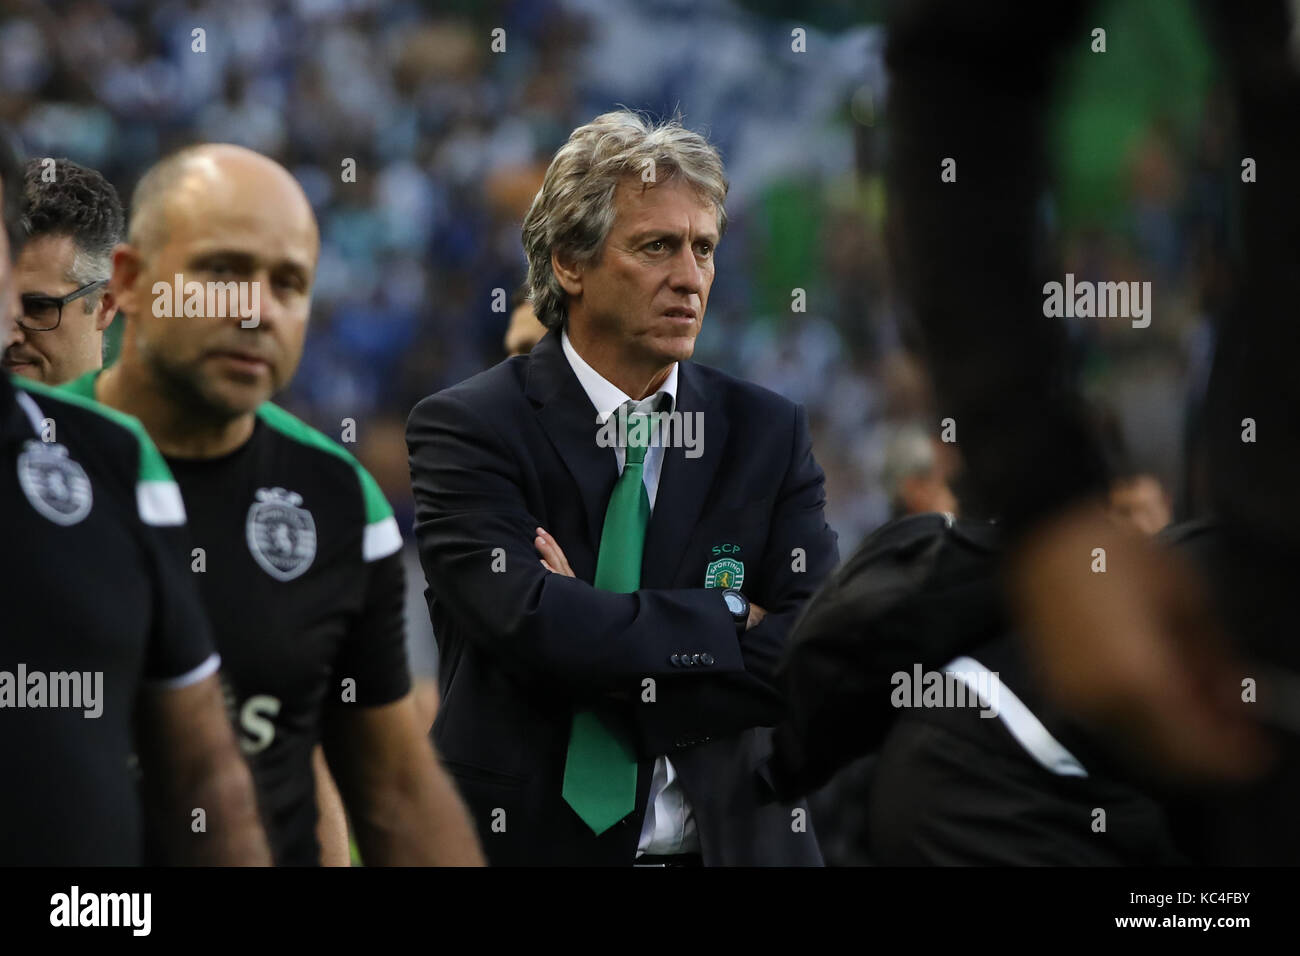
63,198
11,174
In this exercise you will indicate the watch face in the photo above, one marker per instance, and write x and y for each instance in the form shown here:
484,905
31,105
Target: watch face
735,603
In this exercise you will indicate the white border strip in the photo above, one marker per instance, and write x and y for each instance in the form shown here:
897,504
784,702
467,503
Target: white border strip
1020,720
159,503
204,670
381,539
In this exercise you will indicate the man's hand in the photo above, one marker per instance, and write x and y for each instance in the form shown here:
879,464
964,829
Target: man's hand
1134,648
553,560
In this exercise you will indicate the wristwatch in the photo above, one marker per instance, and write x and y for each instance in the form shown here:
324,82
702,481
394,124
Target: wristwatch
737,607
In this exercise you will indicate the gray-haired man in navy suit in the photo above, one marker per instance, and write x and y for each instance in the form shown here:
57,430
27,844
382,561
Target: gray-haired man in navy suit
617,541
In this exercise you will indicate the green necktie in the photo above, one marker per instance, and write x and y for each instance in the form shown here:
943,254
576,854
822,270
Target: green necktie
600,772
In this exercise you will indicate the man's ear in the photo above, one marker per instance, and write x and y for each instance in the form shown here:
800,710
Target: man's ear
568,273
127,263
107,311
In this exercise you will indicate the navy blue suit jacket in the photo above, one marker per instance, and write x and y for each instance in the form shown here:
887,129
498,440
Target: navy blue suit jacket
514,448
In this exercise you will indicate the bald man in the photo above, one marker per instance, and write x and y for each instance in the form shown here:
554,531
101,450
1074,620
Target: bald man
105,631
296,553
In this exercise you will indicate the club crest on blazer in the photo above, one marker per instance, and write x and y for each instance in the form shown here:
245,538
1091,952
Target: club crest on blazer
724,573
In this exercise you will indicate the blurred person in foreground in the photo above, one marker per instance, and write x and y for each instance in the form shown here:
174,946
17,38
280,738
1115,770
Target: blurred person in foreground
910,698
106,650
298,553
1136,652
524,330
609,593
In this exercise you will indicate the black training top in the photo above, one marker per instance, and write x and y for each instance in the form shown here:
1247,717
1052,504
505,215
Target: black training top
97,605
298,560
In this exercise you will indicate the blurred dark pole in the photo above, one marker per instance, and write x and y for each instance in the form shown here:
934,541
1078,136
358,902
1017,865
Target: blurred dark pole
972,83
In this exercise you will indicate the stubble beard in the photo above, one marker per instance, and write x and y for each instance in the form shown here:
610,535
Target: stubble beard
180,385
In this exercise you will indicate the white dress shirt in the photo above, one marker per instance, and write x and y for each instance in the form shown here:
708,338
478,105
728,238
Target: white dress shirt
669,824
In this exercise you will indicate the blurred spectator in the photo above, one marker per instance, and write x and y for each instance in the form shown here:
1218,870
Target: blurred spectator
915,475
524,331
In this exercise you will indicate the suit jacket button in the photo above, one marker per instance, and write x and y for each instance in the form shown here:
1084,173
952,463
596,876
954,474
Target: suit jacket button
706,659
676,660
686,660
695,659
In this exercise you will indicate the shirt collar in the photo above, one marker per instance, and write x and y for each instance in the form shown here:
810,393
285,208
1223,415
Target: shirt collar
604,394
13,421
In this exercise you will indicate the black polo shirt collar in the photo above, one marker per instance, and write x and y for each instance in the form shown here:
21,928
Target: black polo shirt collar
14,423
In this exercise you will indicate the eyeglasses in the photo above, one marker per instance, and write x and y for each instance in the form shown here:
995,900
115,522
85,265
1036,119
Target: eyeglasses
43,313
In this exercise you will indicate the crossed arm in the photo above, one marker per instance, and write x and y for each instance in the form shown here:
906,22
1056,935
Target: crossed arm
559,633
553,560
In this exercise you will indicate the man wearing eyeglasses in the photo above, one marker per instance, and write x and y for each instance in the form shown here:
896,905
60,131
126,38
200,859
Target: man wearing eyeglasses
73,219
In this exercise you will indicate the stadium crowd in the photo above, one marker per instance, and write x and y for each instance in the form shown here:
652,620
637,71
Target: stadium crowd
450,140
420,143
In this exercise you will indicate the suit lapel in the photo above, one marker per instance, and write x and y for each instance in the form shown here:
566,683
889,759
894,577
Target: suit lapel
569,420
684,484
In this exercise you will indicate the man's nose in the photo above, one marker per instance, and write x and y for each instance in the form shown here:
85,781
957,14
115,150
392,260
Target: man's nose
10,330
686,275
265,311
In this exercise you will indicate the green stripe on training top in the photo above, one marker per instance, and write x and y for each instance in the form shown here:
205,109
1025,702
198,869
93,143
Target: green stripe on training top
377,506
152,466
158,497
83,386
381,536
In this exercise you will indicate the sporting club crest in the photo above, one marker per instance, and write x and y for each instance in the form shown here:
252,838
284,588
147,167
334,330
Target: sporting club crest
281,535
724,573
56,485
